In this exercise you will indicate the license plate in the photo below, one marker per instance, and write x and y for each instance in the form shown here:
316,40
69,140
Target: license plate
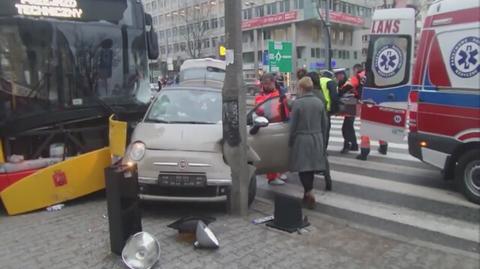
182,180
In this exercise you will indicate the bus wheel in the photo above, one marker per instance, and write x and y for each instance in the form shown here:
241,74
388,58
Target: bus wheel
467,175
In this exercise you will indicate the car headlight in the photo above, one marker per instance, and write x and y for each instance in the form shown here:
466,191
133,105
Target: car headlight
137,151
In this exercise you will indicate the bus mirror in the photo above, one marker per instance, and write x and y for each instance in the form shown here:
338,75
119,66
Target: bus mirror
152,40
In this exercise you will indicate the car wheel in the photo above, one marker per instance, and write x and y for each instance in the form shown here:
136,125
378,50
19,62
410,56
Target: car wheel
467,175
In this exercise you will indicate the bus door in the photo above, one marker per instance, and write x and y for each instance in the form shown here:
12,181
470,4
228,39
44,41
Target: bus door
388,70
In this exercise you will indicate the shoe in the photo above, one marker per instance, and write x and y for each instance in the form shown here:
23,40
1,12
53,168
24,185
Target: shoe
346,148
383,149
276,182
310,202
283,177
354,147
363,154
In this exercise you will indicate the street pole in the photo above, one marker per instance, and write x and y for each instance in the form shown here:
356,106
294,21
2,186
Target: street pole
234,110
329,41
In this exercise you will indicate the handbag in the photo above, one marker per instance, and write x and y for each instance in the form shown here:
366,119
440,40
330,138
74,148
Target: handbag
347,105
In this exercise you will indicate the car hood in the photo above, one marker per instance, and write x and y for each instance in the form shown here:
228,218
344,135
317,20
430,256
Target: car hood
184,137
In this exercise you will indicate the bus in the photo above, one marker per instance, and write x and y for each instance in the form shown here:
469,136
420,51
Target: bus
66,66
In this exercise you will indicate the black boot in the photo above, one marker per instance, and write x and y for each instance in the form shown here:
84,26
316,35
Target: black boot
328,182
363,154
354,147
346,148
383,149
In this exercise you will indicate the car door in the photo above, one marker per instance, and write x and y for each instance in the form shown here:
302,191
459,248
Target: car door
270,142
388,70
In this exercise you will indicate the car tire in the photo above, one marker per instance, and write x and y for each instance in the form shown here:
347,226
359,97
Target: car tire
252,192
467,175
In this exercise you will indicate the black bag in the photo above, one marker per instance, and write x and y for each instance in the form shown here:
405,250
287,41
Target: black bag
347,105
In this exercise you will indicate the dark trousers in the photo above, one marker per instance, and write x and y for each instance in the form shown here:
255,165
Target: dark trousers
348,131
307,180
328,127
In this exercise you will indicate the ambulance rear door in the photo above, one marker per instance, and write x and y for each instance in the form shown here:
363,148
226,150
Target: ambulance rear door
388,70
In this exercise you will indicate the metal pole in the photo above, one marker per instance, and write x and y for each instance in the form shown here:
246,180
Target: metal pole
234,110
329,41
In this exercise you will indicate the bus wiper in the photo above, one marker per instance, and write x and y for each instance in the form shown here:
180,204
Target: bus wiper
192,122
157,121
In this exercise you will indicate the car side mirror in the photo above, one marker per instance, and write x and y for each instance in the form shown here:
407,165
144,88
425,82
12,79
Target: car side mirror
258,122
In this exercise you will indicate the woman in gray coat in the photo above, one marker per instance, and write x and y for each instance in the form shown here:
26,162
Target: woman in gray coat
308,130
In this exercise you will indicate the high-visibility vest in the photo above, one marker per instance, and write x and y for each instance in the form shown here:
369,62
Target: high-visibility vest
326,93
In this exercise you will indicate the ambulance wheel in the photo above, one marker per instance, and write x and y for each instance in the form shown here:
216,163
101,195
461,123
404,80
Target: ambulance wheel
467,175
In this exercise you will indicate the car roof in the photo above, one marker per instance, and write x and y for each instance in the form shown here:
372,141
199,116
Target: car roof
189,88
206,62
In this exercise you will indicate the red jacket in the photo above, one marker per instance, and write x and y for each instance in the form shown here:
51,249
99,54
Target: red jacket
275,112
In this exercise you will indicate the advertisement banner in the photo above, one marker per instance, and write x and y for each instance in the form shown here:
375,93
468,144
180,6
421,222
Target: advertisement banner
270,20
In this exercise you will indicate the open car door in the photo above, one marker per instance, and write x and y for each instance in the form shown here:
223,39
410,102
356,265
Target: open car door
388,70
270,141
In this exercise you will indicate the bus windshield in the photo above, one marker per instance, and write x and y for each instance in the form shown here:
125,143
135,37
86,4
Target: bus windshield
48,65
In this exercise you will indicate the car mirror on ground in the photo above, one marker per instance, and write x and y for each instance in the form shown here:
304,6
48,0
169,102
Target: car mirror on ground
258,122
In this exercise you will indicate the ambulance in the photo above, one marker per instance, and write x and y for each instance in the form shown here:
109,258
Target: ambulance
431,96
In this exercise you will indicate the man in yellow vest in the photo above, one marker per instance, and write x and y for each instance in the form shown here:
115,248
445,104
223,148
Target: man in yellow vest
328,86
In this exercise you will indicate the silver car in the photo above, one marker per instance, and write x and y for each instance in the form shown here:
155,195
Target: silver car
179,152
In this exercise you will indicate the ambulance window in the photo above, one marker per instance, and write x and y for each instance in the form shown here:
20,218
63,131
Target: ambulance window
388,61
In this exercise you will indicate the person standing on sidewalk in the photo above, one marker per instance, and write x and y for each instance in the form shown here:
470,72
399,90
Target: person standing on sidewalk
268,91
308,132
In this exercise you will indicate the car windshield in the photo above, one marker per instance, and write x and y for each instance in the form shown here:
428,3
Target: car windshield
192,106
210,73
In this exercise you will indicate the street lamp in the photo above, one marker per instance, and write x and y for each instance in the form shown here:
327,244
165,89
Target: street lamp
326,23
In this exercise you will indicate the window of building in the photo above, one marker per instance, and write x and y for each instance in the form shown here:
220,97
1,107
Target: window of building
247,14
154,5
214,42
272,8
181,30
183,46
205,25
341,36
300,52
323,53
222,39
312,53
175,31
222,22
214,23
259,11
298,4
148,6
162,49
206,43
161,34
176,48
169,33
284,5
355,55
170,49
267,35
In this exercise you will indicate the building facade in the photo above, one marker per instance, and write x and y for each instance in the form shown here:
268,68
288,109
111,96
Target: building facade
196,28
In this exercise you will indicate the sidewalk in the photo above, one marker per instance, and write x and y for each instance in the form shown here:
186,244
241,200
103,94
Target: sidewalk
77,237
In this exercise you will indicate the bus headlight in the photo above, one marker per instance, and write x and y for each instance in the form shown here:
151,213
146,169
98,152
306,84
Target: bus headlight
137,151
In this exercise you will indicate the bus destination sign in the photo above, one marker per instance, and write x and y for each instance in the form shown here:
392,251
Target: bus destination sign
49,8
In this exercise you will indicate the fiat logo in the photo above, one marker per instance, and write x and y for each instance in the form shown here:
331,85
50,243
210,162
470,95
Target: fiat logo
182,164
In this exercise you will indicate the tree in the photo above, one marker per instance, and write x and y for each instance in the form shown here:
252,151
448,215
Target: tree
196,16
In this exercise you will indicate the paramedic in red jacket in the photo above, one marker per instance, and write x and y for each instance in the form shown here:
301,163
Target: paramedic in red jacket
277,112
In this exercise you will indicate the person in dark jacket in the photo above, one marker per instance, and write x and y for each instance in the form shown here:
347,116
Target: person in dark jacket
308,131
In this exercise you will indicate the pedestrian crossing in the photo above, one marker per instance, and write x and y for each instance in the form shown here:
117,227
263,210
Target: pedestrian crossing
395,193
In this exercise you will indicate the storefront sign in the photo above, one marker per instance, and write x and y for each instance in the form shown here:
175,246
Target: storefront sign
340,17
269,20
49,8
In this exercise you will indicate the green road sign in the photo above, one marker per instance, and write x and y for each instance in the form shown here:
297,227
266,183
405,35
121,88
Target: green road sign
280,56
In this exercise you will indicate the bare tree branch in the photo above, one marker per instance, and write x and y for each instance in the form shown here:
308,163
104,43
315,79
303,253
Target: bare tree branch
195,30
